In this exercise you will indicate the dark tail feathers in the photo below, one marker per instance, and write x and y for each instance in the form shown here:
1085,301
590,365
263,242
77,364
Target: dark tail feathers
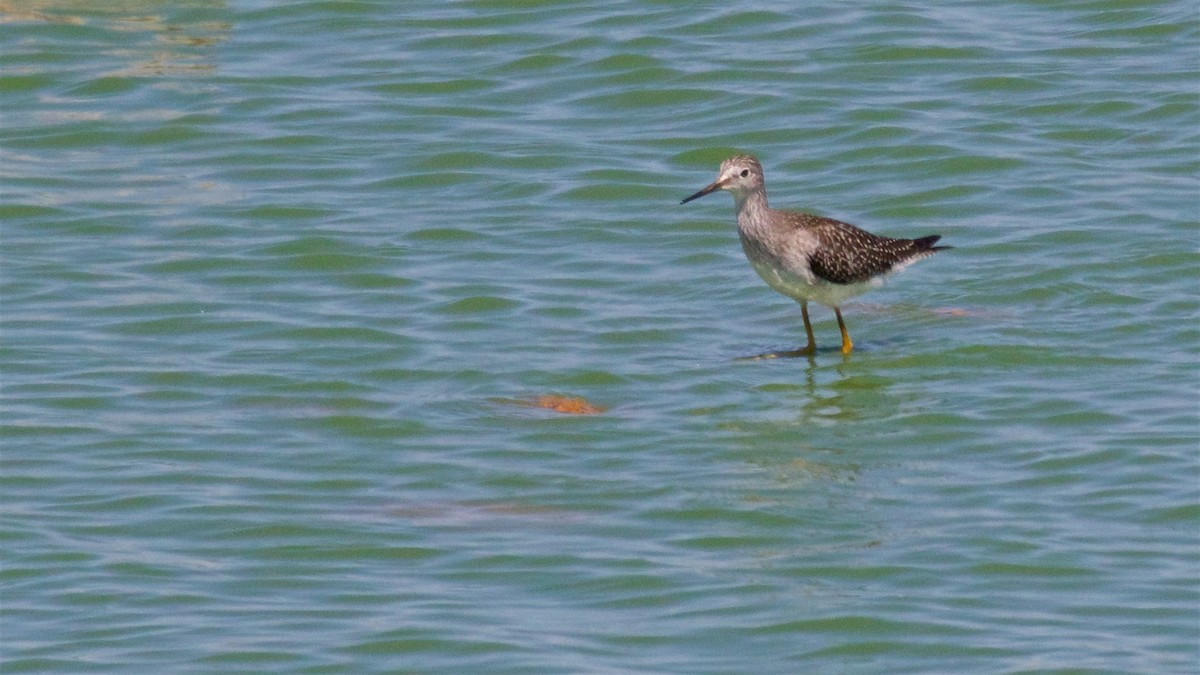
927,243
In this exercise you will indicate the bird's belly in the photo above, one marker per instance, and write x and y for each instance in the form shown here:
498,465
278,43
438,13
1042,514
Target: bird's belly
807,287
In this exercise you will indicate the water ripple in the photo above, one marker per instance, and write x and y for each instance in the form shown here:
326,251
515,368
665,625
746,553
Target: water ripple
283,286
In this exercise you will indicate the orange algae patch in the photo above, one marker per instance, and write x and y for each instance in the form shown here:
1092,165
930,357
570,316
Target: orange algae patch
567,405
570,405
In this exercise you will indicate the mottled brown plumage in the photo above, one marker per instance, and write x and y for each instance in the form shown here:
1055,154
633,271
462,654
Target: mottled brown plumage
849,255
807,257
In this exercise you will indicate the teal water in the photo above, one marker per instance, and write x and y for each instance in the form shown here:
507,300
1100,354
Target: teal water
278,279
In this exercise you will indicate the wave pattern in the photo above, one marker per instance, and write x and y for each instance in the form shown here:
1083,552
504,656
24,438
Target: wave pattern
279,282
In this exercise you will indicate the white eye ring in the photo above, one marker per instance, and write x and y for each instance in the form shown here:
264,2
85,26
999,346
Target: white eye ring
745,172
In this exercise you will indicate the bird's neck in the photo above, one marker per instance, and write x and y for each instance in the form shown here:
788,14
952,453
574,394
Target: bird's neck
752,209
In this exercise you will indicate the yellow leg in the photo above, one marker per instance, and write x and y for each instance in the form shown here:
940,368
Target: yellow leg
847,345
811,347
808,350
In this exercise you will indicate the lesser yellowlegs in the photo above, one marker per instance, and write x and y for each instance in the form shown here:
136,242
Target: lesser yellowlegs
807,257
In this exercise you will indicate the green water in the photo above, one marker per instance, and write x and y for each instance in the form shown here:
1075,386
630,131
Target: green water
278,283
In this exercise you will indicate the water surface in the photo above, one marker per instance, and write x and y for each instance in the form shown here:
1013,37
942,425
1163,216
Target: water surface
281,282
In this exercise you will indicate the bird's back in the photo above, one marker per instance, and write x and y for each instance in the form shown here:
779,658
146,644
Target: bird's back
846,254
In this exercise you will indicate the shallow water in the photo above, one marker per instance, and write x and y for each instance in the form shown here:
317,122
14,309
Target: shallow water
282,286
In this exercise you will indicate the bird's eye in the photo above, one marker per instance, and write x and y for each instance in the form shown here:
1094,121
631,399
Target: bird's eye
745,172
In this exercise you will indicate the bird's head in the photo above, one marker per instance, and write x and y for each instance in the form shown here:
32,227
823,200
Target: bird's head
740,175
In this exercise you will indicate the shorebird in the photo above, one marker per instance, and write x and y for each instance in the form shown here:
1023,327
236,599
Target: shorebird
807,257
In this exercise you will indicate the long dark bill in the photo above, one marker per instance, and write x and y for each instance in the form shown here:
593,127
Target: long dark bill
716,185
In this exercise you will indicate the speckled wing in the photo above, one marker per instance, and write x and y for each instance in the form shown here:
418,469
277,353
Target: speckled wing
850,255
